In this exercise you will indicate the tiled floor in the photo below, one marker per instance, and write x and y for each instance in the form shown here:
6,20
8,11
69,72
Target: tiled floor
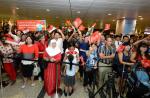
15,91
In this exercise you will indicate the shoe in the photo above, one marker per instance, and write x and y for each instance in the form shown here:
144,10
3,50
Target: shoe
70,93
23,86
65,93
13,82
33,84
40,79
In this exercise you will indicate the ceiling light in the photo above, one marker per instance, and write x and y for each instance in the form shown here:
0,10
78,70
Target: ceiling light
109,14
113,20
37,16
78,12
17,8
47,10
139,16
123,17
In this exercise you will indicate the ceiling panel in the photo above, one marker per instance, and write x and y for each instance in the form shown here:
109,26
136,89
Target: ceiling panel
89,10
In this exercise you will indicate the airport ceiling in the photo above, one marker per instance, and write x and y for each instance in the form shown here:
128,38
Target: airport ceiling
57,11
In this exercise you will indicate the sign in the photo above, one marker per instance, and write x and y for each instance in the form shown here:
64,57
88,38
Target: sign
31,25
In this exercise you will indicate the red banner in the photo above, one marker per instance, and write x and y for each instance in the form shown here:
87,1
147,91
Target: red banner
31,25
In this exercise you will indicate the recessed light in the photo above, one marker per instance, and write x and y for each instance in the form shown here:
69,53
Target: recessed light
17,8
78,12
47,10
113,20
123,17
109,14
139,16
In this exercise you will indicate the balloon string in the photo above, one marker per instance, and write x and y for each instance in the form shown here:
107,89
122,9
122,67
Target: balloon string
85,15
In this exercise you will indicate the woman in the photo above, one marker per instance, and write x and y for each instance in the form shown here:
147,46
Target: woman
52,54
124,65
42,44
91,64
141,53
28,51
6,50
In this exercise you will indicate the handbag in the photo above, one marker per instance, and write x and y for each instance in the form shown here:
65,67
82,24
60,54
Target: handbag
36,70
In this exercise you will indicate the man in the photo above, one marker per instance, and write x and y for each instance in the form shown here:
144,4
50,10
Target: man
117,41
106,54
125,39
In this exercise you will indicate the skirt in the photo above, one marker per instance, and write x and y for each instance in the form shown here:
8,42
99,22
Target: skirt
69,80
27,70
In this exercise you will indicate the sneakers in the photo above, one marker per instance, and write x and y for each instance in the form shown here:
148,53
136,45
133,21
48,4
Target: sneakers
70,93
33,84
65,93
23,86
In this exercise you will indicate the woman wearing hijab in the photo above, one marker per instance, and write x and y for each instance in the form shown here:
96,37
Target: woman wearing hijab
52,54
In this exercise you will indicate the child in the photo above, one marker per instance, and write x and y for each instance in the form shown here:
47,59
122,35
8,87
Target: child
71,56
91,63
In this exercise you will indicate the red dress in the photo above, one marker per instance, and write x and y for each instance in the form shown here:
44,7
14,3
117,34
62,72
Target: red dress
50,74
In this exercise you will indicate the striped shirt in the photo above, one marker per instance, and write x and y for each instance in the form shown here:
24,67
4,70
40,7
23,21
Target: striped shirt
107,52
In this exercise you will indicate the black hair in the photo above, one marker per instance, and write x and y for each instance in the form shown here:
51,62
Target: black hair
70,58
31,39
125,36
71,44
117,36
142,44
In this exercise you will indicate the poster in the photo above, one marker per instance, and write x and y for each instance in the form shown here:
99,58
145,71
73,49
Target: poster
31,25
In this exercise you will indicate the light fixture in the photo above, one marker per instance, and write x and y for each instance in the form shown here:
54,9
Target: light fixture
123,17
78,12
48,10
17,8
109,14
139,16
113,20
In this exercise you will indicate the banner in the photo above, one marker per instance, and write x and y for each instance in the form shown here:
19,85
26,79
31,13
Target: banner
31,25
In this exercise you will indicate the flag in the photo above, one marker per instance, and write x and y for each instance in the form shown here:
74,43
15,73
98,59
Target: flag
10,40
82,28
51,28
77,22
95,37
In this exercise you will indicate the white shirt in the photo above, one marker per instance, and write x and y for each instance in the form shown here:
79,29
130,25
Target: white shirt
117,44
75,68
59,43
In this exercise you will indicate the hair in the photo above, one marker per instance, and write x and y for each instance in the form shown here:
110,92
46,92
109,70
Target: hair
117,36
31,39
70,58
71,44
139,51
125,36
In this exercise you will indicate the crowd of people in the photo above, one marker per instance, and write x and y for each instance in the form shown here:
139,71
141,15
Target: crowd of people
84,58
